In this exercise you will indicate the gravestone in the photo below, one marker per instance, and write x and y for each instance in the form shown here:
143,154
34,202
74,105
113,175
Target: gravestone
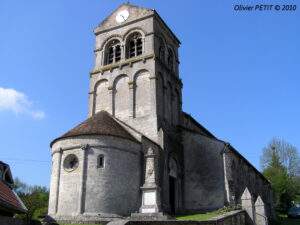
260,212
248,206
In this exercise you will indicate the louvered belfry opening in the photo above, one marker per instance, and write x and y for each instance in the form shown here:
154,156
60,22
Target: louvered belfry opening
113,53
134,45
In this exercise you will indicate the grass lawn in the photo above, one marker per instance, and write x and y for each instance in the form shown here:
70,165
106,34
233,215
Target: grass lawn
200,217
287,221
291,222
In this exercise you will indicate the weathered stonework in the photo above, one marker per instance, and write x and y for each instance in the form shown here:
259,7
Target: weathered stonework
139,152
89,191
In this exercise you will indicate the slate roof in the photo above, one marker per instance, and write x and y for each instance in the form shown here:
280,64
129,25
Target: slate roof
9,201
102,123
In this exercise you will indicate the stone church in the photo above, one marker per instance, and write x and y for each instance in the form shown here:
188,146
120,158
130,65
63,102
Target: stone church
138,152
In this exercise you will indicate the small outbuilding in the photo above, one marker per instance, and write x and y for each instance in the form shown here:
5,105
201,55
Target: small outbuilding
10,203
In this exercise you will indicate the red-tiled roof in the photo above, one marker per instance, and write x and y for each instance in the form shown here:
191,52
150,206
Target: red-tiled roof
9,200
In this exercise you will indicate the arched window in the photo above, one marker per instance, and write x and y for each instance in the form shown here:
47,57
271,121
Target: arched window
162,53
170,59
113,52
134,45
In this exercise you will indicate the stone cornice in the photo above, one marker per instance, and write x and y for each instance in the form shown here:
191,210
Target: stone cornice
130,61
86,147
126,62
98,30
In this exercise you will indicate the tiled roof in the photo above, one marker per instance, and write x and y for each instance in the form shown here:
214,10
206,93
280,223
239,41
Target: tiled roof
9,200
102,123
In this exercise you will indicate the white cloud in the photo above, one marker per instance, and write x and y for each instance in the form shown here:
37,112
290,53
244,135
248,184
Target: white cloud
18,102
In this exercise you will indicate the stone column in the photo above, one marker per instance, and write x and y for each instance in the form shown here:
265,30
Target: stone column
135,47
123,52
82,179
260,212
143,45
111,97
150,191
92,99
153,81
132,112
114,54
248,206
55,181
102,57
225,166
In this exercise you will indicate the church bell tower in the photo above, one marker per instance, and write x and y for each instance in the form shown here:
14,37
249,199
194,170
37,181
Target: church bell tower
124,147
135,77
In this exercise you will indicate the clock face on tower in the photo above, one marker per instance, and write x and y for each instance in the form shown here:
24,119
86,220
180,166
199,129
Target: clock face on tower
122,16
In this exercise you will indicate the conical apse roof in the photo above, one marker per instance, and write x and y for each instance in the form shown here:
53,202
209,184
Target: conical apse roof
102,123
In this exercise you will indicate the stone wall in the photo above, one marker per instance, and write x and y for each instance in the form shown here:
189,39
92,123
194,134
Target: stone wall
217,174
128,87
204,187
240,174
171,161
90,191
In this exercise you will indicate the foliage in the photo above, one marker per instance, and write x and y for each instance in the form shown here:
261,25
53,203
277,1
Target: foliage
281,166
297,200
282,153
35,199
284,220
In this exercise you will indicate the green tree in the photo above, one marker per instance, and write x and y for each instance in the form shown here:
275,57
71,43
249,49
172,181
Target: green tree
287,155
34,197
280,163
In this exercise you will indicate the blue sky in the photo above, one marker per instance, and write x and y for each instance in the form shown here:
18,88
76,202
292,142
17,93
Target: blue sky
241,73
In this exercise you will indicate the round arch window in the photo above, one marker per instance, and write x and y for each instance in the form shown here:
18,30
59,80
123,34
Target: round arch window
71,163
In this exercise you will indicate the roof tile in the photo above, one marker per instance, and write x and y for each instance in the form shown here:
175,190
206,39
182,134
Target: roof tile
102,123
9,198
